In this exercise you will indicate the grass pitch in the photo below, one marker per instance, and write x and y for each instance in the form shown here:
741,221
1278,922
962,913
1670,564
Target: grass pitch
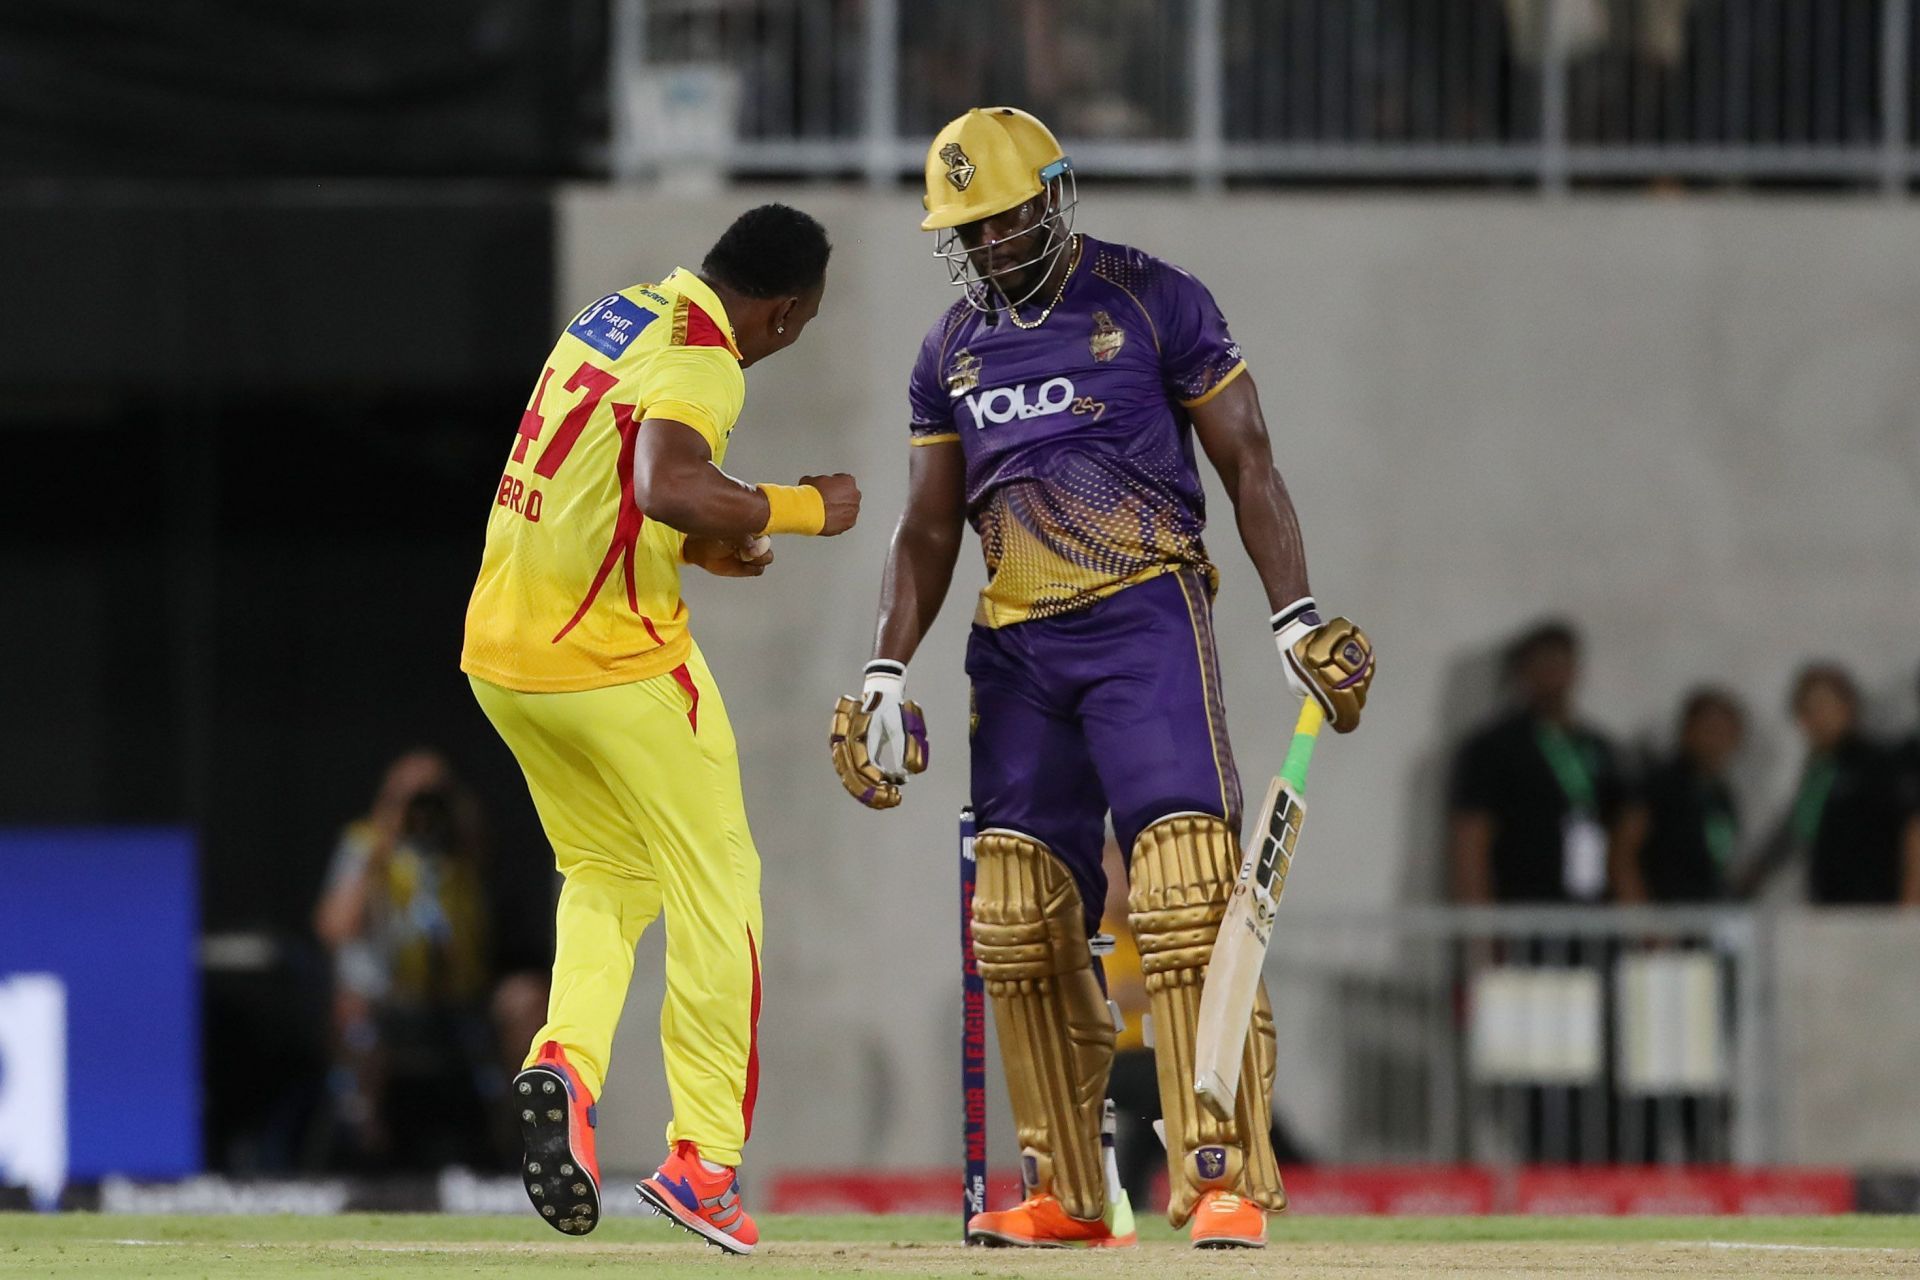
123,1247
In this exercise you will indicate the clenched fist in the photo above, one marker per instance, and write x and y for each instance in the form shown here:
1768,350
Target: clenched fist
1330,662
879,739
842,496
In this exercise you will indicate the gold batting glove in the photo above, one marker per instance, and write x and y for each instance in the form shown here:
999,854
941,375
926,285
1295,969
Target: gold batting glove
1330,662
878,739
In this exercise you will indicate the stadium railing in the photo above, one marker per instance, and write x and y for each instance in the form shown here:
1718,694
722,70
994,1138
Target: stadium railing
1541,93
1514,1035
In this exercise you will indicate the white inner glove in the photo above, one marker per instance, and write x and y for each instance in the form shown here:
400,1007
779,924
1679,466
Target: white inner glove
886,734
1291,625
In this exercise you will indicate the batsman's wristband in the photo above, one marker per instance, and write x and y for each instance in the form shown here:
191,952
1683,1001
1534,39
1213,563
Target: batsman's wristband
794,508
1294,621
887,676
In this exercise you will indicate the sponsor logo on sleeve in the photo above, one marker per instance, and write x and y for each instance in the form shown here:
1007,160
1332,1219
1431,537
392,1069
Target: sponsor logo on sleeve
610,325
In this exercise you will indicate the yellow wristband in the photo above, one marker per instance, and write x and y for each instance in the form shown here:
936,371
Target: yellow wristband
794,508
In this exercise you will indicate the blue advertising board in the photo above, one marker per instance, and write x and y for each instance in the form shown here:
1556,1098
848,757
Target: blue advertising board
99,1005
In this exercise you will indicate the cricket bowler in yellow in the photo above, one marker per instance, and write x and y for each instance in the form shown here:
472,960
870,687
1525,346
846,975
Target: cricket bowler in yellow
578,649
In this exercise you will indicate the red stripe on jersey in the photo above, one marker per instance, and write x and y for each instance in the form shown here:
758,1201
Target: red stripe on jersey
702,331
752,1093
626,530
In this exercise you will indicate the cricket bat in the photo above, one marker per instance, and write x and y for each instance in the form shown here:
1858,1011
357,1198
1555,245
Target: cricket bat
1240,950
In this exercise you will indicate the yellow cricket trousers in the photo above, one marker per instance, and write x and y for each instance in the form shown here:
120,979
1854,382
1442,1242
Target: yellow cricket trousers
638,787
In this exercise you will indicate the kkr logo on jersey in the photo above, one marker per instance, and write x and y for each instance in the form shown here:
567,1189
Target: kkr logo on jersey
965,374
1107,339
1005,404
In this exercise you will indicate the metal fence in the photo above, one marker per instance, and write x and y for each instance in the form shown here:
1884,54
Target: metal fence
1545,92
1513,1035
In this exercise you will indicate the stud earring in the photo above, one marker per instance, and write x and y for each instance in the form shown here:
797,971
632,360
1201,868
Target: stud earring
779,328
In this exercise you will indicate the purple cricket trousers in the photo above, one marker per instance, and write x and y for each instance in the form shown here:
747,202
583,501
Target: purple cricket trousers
1115,707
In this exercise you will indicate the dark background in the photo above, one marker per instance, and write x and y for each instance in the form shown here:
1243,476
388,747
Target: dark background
250,448
273,280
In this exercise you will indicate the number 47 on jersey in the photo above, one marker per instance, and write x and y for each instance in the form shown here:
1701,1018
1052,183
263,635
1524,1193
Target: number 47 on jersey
515,492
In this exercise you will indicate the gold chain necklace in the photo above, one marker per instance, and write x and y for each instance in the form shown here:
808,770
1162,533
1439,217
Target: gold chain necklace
1013,312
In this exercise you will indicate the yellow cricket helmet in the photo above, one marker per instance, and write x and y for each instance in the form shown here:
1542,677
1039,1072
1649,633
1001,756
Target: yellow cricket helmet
986,162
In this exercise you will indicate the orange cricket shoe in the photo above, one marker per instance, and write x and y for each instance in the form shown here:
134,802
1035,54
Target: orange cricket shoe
557,1120
1224,1220
1040,1222
703,1201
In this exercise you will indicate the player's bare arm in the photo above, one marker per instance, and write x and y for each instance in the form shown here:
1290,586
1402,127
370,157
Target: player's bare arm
1331,662
926,546
676,483
1233,432
880,738
1470,856
1910,863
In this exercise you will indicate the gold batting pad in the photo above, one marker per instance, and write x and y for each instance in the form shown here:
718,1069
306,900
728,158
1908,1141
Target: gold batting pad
1182,874
1056,1034
1253,1109
858,774
1336,661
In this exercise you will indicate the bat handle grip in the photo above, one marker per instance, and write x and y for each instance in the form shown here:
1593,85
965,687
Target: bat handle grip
1300,751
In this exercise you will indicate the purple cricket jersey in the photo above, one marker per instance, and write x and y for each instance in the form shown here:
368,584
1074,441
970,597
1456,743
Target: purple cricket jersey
1081,481
1080,462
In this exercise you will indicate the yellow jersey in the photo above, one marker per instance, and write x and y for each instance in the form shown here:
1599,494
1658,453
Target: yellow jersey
577,588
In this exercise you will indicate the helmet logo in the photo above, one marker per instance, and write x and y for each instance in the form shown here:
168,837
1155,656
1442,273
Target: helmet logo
1108,338
959,168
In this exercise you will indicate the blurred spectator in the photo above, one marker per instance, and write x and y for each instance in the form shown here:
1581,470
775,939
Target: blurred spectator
1677,842
1907,760
1535,796
1090,68
418,1053
1535,793
1331,71
1853,817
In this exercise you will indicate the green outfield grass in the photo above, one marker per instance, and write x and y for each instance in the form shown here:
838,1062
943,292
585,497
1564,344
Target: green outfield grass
431,1245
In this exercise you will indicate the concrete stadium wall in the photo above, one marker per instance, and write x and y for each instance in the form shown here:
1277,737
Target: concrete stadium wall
1688,424
1848,1037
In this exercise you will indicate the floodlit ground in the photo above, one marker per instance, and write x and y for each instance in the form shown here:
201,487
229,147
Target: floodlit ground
123,1247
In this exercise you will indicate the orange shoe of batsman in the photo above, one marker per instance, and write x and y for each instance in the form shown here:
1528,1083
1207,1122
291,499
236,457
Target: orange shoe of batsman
705,1200
1223,1220
557,1119
1039,1222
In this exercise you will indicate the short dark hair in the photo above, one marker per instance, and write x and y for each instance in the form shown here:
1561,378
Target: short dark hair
1708,698
1830,674
1548,633
773,251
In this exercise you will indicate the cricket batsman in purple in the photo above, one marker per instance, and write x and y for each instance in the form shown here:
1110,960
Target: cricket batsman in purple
1056,407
